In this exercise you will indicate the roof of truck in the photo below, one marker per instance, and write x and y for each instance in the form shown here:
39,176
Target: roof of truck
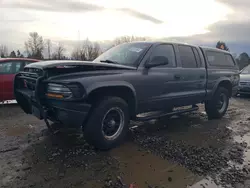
182,43
160,42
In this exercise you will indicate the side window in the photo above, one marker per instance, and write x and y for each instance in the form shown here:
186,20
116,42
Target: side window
6,68
24,63
17,66
219,59
166,50
197,57
187,57
27,62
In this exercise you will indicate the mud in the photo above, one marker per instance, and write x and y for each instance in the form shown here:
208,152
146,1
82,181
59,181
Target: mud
184,151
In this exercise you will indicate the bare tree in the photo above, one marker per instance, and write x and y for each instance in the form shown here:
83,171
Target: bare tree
88,52
96,51
58,54
48,45
3,51
34,46
125,39
76,54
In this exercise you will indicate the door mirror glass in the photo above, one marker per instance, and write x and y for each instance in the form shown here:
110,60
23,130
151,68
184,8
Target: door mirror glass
157,61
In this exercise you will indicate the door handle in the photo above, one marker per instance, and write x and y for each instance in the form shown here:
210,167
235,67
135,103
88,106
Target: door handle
177,77
202,76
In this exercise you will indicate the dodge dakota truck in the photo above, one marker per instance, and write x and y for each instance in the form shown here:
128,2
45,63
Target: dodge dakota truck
101,97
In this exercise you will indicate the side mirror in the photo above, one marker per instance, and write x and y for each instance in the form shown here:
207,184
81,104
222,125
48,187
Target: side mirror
157,61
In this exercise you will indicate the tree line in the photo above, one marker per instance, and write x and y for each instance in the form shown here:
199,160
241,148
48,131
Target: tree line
35,47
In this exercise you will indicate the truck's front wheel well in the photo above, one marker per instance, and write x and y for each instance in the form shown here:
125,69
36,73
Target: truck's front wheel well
227,85
119,91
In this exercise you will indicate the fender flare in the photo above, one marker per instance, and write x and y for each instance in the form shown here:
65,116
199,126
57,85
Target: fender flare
218,83
105,84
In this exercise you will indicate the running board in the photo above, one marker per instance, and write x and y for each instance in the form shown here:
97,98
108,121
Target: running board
164,114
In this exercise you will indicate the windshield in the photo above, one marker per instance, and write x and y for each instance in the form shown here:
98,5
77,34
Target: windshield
246,70
125,54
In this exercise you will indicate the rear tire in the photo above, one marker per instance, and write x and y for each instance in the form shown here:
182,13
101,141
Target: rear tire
107,125
217,106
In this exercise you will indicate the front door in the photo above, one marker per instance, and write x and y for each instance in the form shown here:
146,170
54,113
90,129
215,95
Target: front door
159,84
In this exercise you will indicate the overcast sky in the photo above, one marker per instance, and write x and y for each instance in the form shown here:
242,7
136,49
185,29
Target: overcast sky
194,21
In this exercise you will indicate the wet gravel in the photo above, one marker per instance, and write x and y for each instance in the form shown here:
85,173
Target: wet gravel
198,159
71,162
217,161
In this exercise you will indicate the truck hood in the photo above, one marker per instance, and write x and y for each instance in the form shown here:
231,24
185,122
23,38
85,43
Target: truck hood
245,77
81,64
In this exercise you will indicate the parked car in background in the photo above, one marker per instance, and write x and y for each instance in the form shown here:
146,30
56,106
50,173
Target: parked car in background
8,68
244,85
100,97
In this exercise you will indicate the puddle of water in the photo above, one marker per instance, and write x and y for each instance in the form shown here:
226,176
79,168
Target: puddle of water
145,169
17,131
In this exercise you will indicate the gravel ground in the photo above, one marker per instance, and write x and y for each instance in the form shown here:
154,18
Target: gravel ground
184,151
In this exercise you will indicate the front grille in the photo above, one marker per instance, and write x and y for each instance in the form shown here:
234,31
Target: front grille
29,77
33,71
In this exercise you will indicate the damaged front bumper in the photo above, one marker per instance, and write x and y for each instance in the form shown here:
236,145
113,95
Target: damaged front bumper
69,114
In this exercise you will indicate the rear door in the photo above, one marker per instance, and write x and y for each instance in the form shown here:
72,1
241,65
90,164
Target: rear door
192,76
8,70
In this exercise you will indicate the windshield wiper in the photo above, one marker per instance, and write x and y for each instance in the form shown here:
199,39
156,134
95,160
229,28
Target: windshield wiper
109,61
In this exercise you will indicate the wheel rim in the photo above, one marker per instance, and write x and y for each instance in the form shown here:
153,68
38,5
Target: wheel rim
222,102
113,123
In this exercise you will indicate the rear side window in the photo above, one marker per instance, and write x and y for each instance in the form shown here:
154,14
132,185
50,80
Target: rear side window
6,68
17,66
166,50
10,67
220,59
187,57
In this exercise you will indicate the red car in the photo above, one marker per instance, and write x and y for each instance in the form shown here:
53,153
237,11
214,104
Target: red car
8,68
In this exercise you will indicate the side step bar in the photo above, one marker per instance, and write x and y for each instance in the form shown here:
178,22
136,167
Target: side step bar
164,114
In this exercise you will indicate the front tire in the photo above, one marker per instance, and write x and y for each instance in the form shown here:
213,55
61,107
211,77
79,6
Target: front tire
108,123
217,106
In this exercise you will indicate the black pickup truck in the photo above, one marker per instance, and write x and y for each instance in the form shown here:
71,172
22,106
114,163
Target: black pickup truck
102,96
